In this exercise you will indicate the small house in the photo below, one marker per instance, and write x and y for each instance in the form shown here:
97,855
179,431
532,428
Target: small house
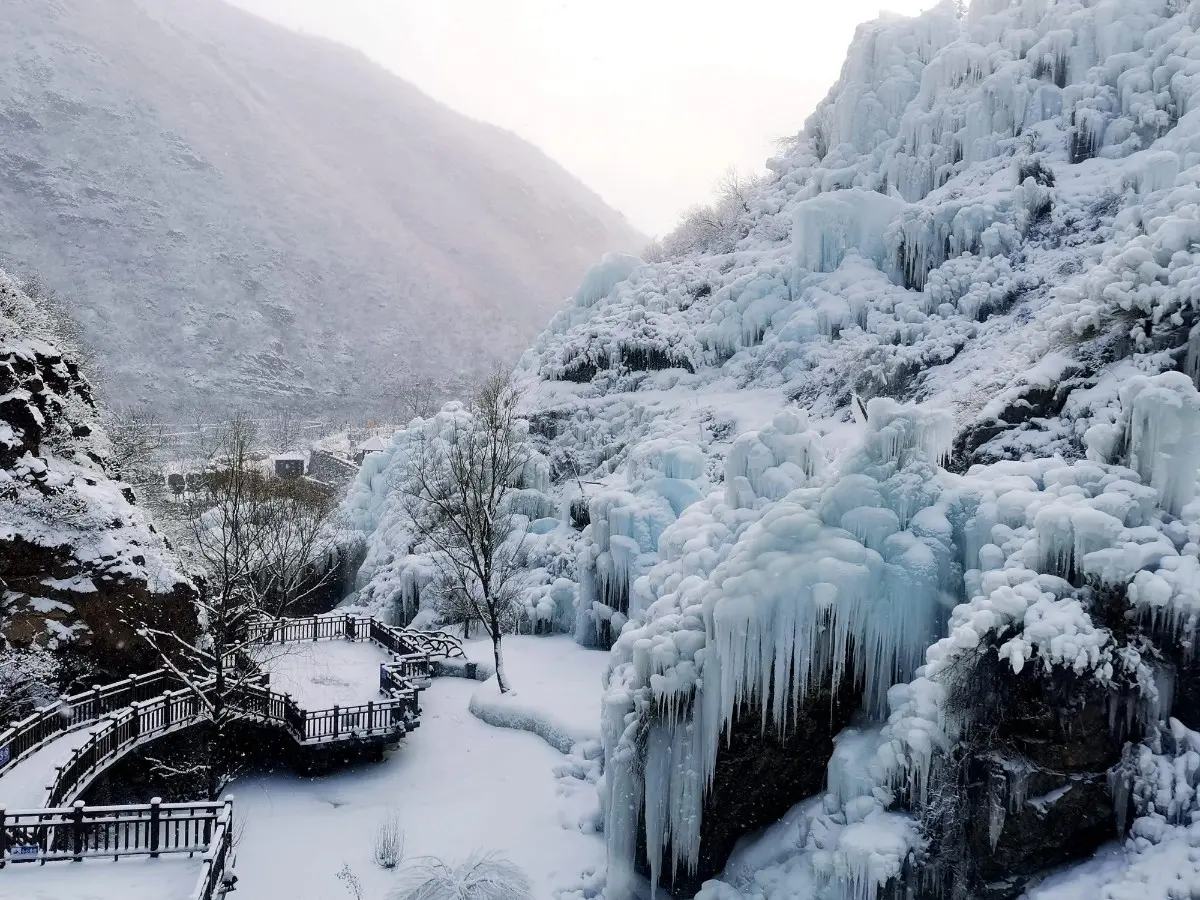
289,465
372,445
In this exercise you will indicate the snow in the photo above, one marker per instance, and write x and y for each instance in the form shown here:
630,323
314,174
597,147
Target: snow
26,785
556,690
324,674
170,877
457,784
286,278
937,388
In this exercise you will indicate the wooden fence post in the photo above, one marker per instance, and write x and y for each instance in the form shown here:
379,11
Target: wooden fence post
77,828
3,837
335,720
315,624
370,716
136,726
155,814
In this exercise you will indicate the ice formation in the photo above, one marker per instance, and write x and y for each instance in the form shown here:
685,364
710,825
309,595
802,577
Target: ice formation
937,403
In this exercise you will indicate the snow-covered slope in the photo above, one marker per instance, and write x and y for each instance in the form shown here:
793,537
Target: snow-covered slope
924,442
243,213
81,567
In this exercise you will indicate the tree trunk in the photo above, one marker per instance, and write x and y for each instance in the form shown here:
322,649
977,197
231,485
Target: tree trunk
501,677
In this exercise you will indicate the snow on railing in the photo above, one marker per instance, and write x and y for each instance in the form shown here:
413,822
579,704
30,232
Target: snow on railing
218,877
80,832
268,630
36,730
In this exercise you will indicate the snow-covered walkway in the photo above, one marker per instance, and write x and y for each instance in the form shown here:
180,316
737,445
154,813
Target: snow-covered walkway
324,674
457,785
26,784
138,878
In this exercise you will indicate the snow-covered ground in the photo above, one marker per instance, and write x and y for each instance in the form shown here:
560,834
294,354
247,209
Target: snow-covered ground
555,688
140,878
25,785
321,674
457,785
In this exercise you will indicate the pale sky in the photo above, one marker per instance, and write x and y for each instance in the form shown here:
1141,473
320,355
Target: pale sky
646,101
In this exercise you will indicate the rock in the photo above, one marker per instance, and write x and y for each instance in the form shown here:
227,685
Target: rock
1036,792
759,777
81,568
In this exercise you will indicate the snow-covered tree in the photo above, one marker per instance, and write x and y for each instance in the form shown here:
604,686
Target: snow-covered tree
28,679
458,483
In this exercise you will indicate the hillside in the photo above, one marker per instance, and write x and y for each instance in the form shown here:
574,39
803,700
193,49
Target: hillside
883,491
235,212
81,566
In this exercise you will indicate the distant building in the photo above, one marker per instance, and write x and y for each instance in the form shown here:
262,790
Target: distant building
371,445
330,469
289,465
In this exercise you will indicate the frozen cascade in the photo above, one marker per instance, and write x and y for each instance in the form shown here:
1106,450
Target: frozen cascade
601,278
828,226
798,603
1163,424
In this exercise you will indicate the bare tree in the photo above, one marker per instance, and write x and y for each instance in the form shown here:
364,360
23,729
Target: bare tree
415,396
457,488
260,548
716,227
285,432
138,437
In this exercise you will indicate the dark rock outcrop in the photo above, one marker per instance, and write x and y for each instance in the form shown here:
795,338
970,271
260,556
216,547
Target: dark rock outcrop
1029,790
81,567
760,775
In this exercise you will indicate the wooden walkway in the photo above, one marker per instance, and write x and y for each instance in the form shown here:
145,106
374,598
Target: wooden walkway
140,709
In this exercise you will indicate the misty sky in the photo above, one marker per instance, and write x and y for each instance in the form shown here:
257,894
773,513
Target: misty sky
648,101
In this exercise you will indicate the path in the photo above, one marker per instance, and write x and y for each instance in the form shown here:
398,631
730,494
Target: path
138,878
325,674
25,785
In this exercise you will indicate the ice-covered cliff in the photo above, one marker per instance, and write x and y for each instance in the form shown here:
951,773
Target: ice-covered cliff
910,442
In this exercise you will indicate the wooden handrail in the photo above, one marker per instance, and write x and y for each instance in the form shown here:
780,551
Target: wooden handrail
141,708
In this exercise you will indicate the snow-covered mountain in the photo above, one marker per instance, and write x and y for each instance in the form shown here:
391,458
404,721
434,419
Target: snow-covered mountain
884,488
238,213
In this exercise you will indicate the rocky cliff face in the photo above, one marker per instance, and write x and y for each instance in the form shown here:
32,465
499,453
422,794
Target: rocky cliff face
81,567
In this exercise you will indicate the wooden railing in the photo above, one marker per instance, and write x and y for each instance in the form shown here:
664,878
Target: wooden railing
141,708
218,859
142,722
81,832
70,713
402,641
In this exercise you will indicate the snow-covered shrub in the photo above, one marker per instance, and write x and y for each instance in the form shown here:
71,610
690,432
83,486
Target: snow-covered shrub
484,876
387,843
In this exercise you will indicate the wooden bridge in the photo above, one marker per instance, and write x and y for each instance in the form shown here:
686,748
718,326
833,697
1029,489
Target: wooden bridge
142,708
